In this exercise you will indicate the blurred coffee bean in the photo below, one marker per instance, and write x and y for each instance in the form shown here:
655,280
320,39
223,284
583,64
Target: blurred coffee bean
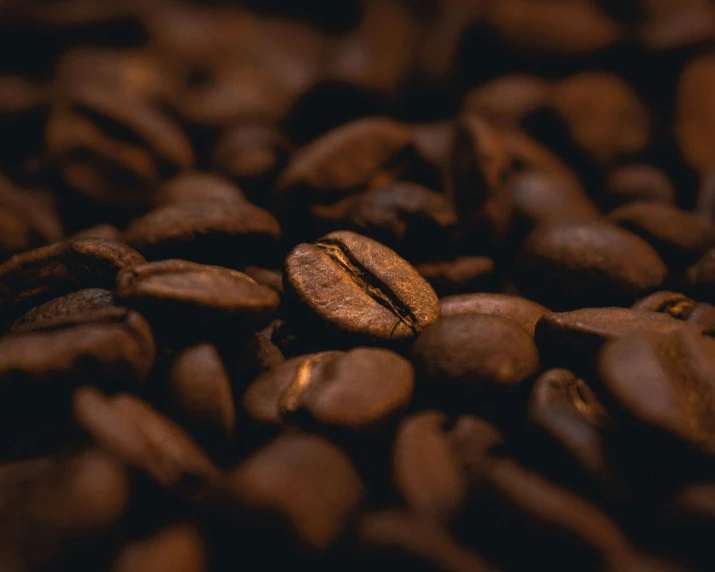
178,548
106,232
134,433
329,391
360,289
680,307
114,150
706,197
509,98
406,217
200,395
465,362
522,311
570,265
273,279
252,154
428,474
26,221
65,509
299,489
675,25
400,539
83,306
680,237
36,276
346,160
226,233
197,187
637,182
696,113
573,339
459,275
475,182
701,277
603,115
570,424
188,300
257,356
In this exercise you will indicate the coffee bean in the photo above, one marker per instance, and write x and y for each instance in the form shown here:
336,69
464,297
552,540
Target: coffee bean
106,232
571,265
637,182
84,306
258,356
197,187
695,113
114,150
210,232
395,538
674,26
665,382
27,222
680,307
345,160
177,548
428,474
680,238
321,390
459,275
36,276
65,509
298,486
706,198
133,432
359,288
524,312
406,217
476,177
464,362
572,339
572,425
701,277
186,299
200,394
509,97
272,279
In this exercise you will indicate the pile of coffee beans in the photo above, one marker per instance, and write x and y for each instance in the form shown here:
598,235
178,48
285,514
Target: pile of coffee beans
357,285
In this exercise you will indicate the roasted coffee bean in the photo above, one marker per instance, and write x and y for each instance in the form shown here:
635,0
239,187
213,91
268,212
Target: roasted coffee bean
299,486
428,473
554,28
680,238
106,232
571,425
476,176
253,155
572,339
476,443
346,160
200,395
465,362
701,277
676,25
400,539
133,432
197,187
433,141
114,150
459,275
273,279
36,276
84,306
603,115
706,197
524,312
227,233
331,391
185,299
179,548
571,265
664,382
510,97
680,307
407,217
637,182
64,510
26,221
40,368
696,112
359,288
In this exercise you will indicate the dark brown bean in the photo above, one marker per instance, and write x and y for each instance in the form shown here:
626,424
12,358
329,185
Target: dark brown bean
696,113
635,182
680,307
196,187
459,275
